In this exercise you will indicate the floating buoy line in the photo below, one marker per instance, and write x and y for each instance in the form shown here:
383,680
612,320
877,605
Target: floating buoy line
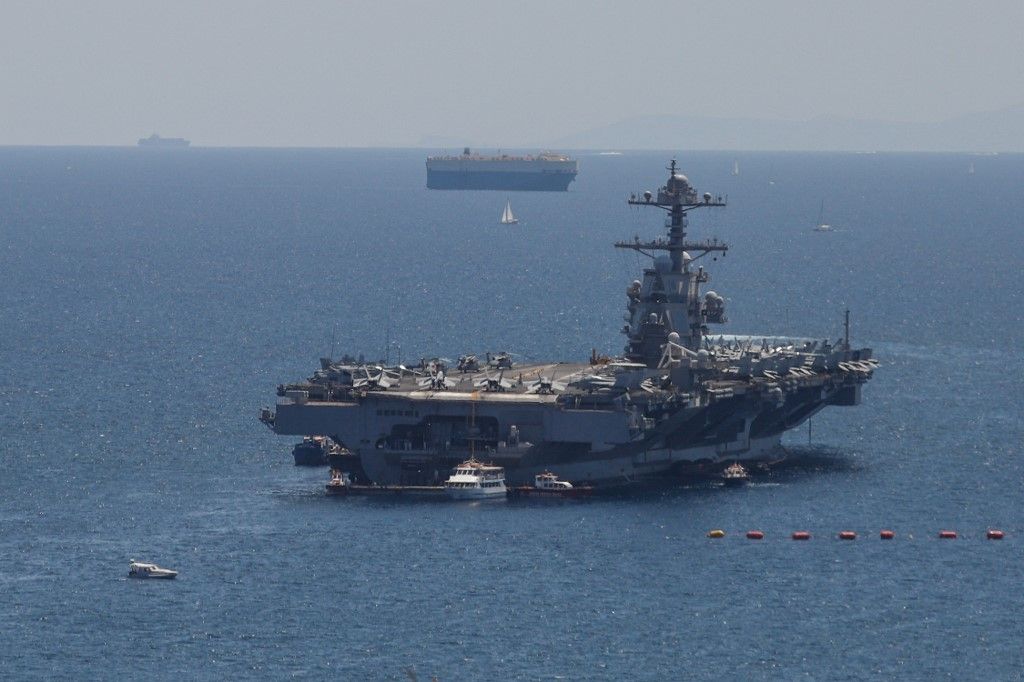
885,534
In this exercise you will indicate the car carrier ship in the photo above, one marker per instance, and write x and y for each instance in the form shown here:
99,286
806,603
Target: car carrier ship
154,141
543,172
679,398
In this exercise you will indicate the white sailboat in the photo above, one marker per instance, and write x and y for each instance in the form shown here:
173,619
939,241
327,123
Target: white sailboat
736,167
506,216
822,226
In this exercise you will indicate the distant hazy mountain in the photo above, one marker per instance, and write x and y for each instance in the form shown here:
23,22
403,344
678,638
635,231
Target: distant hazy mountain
996,131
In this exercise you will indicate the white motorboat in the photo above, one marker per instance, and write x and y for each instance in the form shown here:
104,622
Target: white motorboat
473,480
340,482
547,484
735,475
137,569
548,481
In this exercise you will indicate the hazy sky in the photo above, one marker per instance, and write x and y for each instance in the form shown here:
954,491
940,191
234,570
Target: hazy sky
354,73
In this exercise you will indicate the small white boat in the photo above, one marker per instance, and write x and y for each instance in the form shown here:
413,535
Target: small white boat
473,480
506,216
736,167
340,481
735,475
137,569
548,481
547,484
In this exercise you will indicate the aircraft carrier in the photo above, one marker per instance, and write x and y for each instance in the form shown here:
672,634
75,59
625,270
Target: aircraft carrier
544,172
679,398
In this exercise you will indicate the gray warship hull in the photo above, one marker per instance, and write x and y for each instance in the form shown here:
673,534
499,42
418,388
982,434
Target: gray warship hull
415,437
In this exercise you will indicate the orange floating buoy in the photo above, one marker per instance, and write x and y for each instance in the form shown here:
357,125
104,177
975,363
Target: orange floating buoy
994,534
947,534
801,535
717,533
887,535
755,535
847,535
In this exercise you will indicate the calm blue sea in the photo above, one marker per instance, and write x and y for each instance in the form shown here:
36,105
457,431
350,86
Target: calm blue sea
151,302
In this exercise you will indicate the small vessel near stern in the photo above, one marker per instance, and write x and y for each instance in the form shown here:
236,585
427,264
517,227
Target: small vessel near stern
314,451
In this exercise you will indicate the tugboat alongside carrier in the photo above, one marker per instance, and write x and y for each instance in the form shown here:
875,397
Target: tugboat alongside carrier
678,397
546,484
314,451
735,476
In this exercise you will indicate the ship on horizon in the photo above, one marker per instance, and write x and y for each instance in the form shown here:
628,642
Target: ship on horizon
678,399
155,140
544,172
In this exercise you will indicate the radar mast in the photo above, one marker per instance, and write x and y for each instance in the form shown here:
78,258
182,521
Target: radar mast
668,300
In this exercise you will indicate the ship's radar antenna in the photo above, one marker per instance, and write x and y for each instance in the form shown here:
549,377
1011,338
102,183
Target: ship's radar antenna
669,300
678,198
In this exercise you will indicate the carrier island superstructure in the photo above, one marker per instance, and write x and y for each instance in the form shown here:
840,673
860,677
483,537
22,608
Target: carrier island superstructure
679,398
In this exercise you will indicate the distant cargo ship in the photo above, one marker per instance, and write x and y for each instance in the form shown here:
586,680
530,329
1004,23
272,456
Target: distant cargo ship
155,140
543,172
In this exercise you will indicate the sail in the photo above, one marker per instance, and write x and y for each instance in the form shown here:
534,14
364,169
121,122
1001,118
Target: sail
506,217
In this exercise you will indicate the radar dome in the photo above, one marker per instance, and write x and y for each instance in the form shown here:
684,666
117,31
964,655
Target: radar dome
673,337
678,183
